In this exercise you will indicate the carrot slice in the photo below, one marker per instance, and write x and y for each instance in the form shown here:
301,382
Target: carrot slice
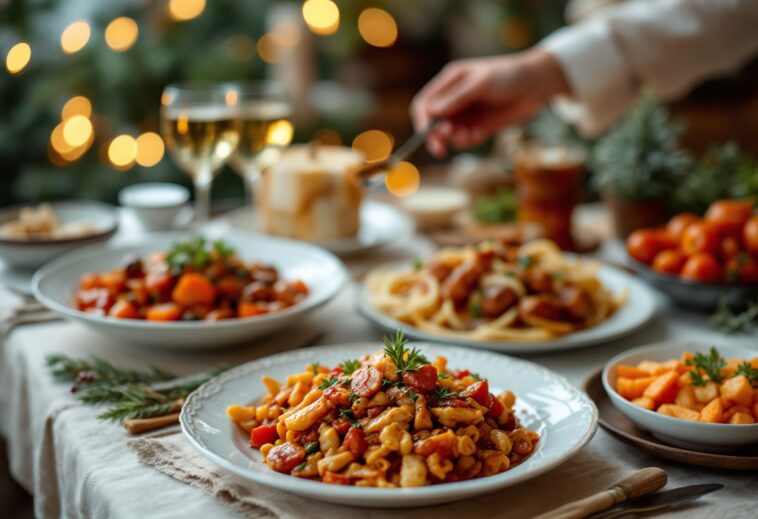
194,289
627,371
164,312
663,388
631,388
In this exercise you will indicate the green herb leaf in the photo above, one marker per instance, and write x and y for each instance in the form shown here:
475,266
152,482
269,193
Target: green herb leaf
328,382
475,307
312,448
301,466
441,393
728,321
500,207
443,376
418,264
346,414
747,370
349,366
711,364
404,359
526,261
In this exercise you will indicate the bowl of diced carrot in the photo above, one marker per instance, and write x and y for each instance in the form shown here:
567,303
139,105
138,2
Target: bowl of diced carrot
689,395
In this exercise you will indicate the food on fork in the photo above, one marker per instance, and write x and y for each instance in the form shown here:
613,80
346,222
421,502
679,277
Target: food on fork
700,387
496,292
41,223
389,419
195,280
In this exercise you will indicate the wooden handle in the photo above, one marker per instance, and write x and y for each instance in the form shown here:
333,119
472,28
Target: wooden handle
639,483
140,425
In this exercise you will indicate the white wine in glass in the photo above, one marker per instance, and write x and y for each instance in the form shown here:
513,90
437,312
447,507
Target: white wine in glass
201,133
265,123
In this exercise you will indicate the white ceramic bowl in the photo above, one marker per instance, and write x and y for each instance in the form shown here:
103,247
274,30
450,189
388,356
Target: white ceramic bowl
707,437
322,272
433,207
156,204
564,417
32,253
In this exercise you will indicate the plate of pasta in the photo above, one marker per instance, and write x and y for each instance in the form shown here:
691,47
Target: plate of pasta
388,425
510,298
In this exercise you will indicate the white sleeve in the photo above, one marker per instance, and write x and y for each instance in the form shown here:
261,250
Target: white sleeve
665,45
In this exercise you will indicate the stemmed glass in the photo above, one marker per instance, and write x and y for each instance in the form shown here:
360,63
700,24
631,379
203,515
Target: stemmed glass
264,118
201,132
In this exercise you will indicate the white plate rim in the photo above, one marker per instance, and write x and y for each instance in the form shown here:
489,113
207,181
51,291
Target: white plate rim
93,251
580,339
403,496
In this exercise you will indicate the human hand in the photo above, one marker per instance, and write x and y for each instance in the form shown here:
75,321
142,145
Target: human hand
474,98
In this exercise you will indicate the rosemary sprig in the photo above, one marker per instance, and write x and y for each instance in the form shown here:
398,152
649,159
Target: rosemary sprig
97,370
728,321
404,359
349,366
328,382
441,393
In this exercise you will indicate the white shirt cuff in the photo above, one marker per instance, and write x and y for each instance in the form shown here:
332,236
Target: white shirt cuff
602,84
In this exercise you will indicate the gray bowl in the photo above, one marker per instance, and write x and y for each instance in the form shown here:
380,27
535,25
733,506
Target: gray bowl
693,294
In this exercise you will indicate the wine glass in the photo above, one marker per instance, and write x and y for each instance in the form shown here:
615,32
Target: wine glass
201,133
264,118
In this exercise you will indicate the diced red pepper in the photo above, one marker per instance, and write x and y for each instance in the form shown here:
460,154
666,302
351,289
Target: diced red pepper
497,407
335,478
355,441
460,373
262,435
341,426
480,392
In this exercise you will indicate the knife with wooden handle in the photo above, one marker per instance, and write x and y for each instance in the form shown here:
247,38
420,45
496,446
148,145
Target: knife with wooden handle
639,483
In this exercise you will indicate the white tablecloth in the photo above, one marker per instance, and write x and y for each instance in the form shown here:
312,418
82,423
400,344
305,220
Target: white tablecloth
77,466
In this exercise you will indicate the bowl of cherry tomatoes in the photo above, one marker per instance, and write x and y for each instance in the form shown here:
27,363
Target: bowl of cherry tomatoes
702,261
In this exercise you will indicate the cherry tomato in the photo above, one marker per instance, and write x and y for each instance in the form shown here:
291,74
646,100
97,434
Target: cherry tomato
669,261
480,392
643,245
701,237
750,235
732,211
497,407
679,223
702,267
742,269
263,434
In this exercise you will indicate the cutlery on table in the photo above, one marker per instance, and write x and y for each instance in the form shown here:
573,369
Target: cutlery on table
659,501
638,484
373,173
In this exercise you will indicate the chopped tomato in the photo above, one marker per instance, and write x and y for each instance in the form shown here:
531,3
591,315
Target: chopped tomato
100,298
443,444
702,267
669,261
246,309
355,441
460,373
164,312
115,281
219,314
262,435
422,380
480,392
497,407
335,479
230,287
194,289
341,426
89,281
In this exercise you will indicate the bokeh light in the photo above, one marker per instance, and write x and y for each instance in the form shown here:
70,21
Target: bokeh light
377,27
18,57
77,105
281,132
57,141
77,130
322,16
183,10
327,137
376,145
150,149
286,34
122,151
78,151
121,34
268,49
75,37
240,47
403,179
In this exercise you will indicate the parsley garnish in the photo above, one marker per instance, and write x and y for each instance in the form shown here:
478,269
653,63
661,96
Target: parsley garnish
711,364
346,414
404,359
475,376
349,366
353,396
749,372
196,254
443,376
418,264
411,393
475,307
328,382
441,393
312,448
526,261
314,368
386,382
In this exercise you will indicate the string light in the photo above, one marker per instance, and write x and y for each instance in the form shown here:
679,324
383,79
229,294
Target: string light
267,49
18,57
376,145
122,151
121,34
77,105
57,141
150,149
321,16
403,179
183,10
77,130
281,133
377,27
75,37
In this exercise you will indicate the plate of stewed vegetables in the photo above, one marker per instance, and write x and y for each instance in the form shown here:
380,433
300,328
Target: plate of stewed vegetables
184,291
392,424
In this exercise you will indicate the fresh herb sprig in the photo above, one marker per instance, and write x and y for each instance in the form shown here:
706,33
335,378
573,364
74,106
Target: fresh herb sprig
749,372
350,365
441,393
197,253
405,359
711,364
729,321
328,382
128,393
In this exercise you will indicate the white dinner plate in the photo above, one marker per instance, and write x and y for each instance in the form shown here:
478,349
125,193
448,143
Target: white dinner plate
381,224
638,309
322,272
564,417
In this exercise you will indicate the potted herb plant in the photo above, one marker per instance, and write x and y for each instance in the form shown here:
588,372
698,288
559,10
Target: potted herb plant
638,164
